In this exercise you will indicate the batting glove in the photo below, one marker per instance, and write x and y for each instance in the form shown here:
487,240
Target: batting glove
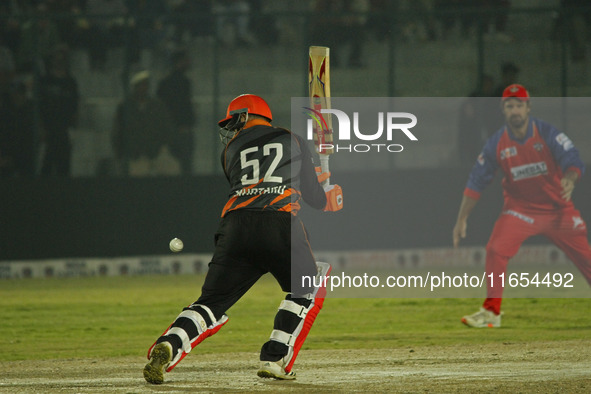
334,198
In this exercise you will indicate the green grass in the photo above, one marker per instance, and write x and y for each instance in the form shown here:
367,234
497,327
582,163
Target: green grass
122,316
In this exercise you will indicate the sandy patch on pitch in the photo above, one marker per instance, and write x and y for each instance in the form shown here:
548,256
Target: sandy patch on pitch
517,367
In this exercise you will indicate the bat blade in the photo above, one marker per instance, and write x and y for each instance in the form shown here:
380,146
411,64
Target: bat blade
319,89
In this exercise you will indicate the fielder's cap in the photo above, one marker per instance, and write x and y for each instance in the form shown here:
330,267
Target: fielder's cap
517,91
139,77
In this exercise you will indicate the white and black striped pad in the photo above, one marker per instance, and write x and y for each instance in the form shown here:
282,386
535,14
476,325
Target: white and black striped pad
189,329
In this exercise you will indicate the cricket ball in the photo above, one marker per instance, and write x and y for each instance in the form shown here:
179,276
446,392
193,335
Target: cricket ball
176,245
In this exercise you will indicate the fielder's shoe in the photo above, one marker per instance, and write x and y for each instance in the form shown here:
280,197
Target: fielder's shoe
482,318
159,360
273,369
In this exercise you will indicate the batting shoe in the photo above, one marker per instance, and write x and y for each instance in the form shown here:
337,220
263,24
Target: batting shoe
274,370
482,318
159,360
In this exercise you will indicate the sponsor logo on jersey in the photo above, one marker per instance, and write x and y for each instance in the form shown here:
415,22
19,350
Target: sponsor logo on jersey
518,215
578,223
260,190
480,159
508,152
563,140
538,146
529,171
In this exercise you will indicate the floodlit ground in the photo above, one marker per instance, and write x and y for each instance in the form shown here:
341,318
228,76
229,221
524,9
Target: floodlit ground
90,335
509,367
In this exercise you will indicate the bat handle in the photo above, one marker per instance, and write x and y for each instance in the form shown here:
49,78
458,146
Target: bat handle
324,166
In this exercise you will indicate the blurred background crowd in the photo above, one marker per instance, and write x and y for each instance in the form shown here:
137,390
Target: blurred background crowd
135,87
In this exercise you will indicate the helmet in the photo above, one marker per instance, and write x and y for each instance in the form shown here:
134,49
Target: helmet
246,103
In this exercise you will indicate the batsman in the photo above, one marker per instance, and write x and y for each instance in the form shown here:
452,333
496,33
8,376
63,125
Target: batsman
270,172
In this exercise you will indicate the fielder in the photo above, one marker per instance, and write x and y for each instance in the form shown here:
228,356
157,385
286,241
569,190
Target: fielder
540,166
270,170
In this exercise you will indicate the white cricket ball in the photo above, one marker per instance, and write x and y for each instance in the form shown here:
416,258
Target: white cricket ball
176,245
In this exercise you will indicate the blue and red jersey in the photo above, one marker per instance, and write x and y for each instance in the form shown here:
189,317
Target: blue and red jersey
532,166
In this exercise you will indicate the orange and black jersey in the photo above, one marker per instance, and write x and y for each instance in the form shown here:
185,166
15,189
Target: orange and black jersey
270,169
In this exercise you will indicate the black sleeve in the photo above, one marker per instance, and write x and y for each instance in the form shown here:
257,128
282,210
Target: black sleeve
312,192
223,163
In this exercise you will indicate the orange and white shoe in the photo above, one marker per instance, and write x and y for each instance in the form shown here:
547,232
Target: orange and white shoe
274,370
482,318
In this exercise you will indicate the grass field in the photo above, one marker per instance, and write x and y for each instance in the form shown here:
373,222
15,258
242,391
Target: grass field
120,317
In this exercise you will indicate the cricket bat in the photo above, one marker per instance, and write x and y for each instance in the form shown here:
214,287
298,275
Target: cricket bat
319,85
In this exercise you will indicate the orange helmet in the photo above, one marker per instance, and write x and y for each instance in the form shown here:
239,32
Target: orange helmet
247,103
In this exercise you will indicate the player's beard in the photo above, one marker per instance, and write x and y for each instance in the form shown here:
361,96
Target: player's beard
517,121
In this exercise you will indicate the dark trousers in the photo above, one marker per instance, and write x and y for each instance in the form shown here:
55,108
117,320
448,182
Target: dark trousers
248,244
